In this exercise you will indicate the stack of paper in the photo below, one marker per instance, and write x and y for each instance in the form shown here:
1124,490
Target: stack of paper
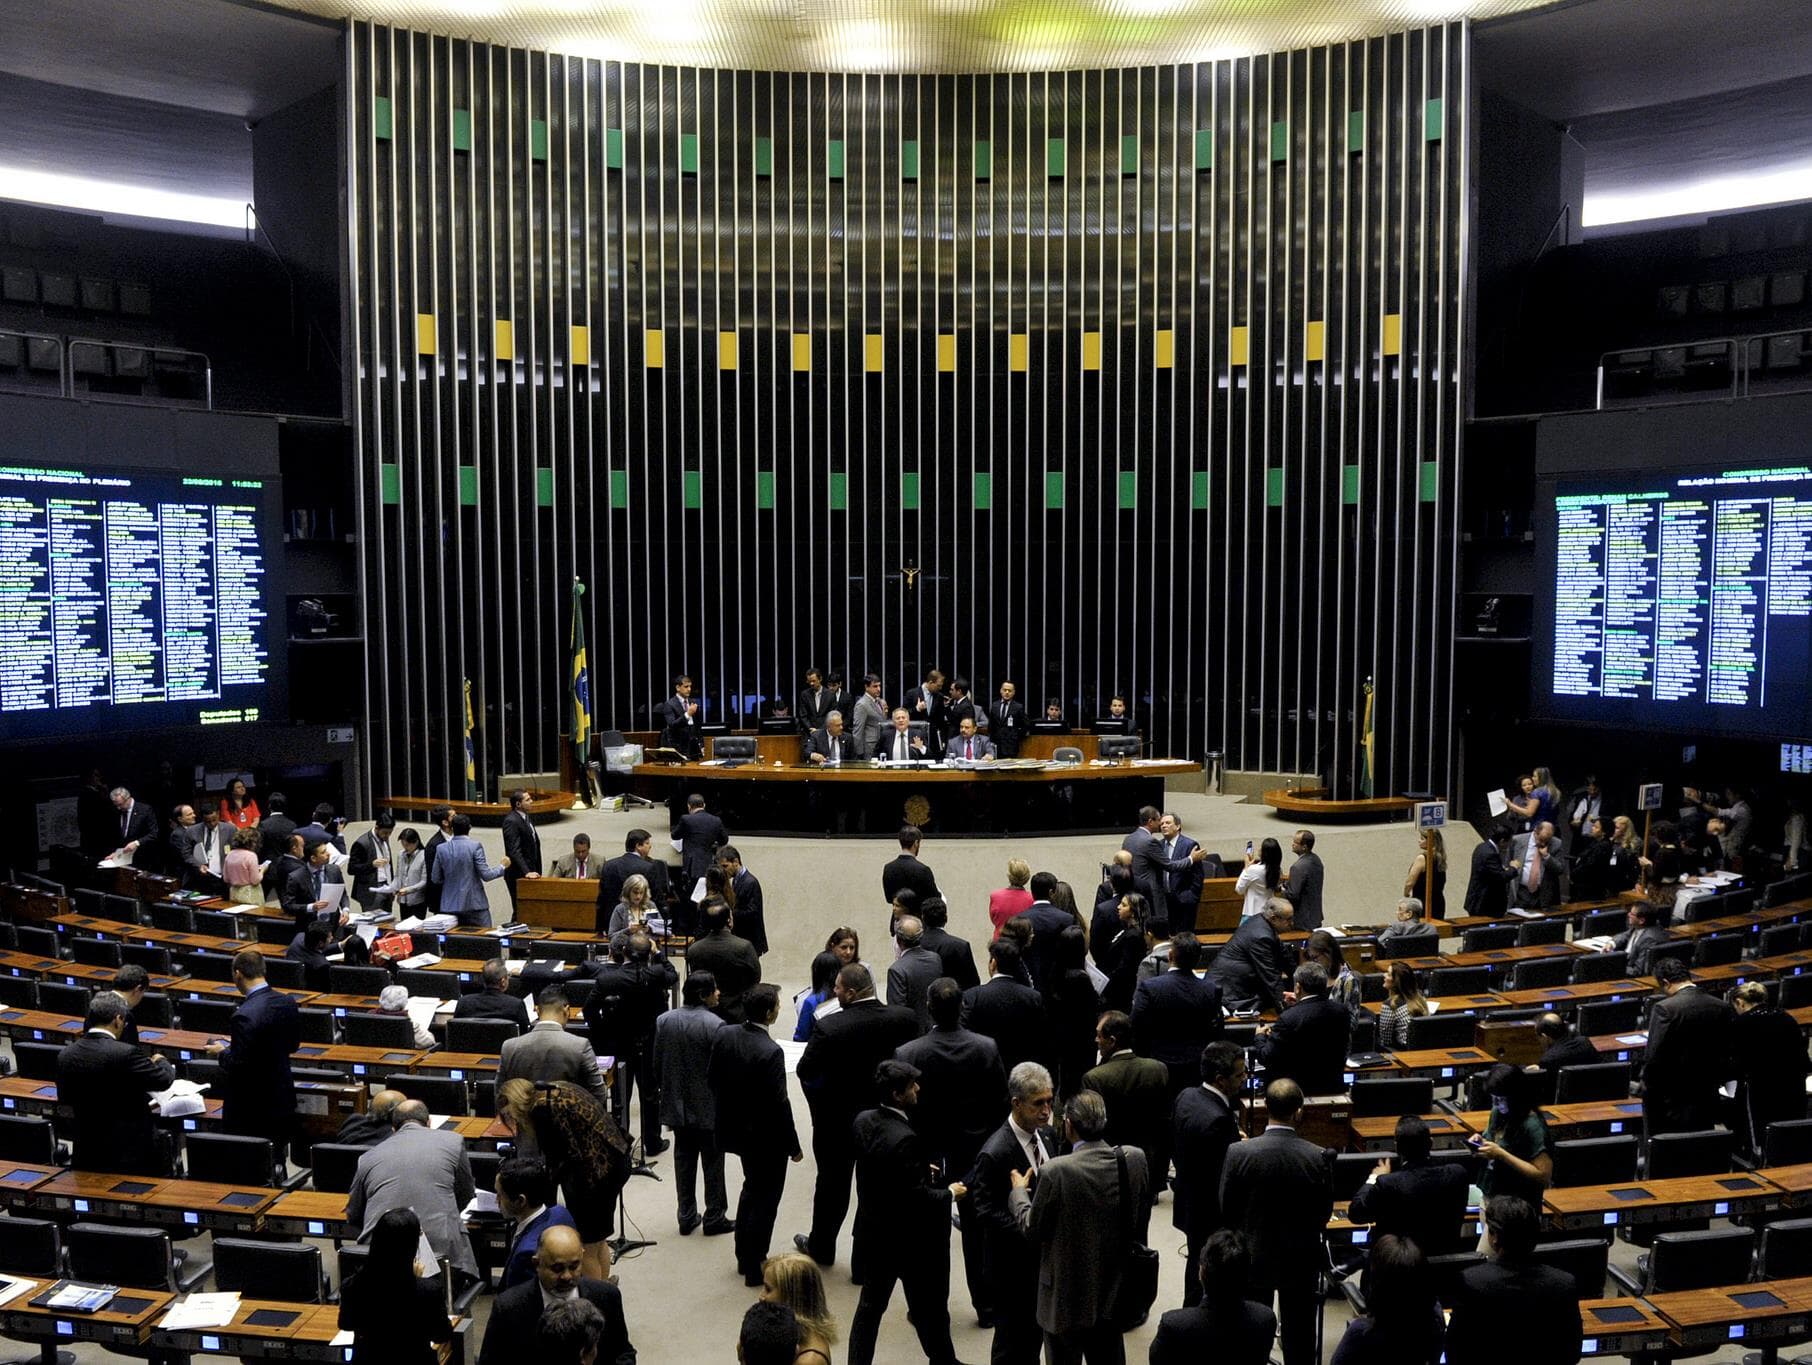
12,1286
184,1097
201,1310
420,960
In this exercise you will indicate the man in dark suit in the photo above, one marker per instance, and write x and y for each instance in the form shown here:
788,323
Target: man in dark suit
747,1076
928,703
1688,1054
283,867
1641,938
1512,1310
260,1098
1008,1011
1149,871
732,961
368,862
906,872
107,1084
678,716
1561,1046
902,1229
374,1125
516,1313
837,1072
1490,879
684,1040
746,920
1204,1124
637,860
962,1097
962,707
1536,865
909,976
494,1001
1219,1322
1186,873
1176,1014
276,826
957,957
813,703
1048,922
1302,885
1413,1196
303,898
1309,1040
521,844
137,829
1007,722
700,834
1277,1190
1078,1218
442,816
1136,1091
899,743
1023,1143
969,745
837,697
1252,968
831,746
628,998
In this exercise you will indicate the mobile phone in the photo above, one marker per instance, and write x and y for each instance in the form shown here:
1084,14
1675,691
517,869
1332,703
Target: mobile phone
1248,848
1475,1142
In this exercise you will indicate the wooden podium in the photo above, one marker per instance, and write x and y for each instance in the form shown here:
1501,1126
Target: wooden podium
1218,910
558,902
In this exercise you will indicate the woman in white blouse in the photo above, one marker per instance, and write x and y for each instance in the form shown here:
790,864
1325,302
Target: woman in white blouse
408,887
1260,879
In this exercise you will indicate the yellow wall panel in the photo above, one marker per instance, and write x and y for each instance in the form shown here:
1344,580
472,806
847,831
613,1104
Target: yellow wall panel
1091,350
874,353
1393,334
654,348
946,352
581,346
1314,341
427,340
802,352
1017,349
1164,354
1239,345
503,345
726,350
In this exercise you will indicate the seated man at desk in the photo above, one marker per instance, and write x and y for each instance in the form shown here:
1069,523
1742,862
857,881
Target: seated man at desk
419,1168
1308,1042
107,1084
1413,1195
1512,1310
579,863
968,745
494,1000
830,746
898,744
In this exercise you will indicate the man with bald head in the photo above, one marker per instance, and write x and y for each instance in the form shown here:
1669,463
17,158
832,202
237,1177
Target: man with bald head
419,1168
373,1126
517,1312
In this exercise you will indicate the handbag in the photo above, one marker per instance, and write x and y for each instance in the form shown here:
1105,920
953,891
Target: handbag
1138,1287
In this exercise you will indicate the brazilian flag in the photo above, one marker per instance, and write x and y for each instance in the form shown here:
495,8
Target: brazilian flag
471,753
581,680
1367,744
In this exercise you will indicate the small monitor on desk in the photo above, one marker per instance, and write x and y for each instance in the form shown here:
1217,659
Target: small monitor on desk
1050,727
777,725
1112,725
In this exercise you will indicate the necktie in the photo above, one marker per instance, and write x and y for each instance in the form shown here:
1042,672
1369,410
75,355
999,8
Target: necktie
125,819
317,881
581,869
899,747
1534,878
968,748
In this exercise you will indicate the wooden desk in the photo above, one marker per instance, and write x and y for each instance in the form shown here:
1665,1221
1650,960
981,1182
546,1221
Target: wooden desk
1453,1004
148,1199
194,988
1342,1231
70,973
1611,1047
1442,1063
558,902
1591,1118
18,1178
1632,1203
457,1065
1502,958
1560,997
21,1096
1795,1180
357,1061
1769,1311
309,1213
94,927
1380,1133
123,1323
1620,1327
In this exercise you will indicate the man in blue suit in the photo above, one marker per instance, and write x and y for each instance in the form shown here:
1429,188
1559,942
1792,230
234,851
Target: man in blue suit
260,1098
1047,923
460,871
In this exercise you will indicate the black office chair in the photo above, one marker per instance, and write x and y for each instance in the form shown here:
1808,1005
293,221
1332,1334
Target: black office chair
479,1035
484,1097
1603,1018
1447,1272
352,1261
333,1164
204,1070
37,1061
1597,1081
1388,1096
1715,906
1787,1143
1488,937
21,992
152,958
1363,1037
1603,924
1442,1030
1373,987
1690,1260
1780,938
1683,950
1409,945
90,902
1786,1250
1739,902
28,1138
178,919
431,985
1531,933
484,1168
1594,1161
342,980
1707,1152
1796,991
288,1272
125,909
33,938
578,990
1351,1169
1787,889
30,1246
1589,967
1066,753
1541,974
154,1010
1464,1157
206,1016
442,1094
480,947
1459,980
207,966
378,1030
54,997
228,1159
273,933
139,1257
317,1025
216,922
1585,1259
96,952
1717,950
285,973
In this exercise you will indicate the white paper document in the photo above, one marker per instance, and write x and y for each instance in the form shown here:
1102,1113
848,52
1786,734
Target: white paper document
485,1201
184,1097
1497,801
792,1052
420,960
12,1286
333,893
201,1310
